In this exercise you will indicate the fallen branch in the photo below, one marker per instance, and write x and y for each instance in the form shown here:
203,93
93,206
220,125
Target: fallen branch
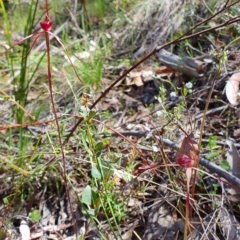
186,65
212,167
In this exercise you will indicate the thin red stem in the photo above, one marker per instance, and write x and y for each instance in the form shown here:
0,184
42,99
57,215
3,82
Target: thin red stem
46,3
56,121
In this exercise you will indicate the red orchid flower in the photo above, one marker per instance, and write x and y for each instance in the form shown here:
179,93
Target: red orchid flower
185,161
46,25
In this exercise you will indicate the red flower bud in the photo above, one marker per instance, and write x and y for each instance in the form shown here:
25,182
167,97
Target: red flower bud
46,25
185,161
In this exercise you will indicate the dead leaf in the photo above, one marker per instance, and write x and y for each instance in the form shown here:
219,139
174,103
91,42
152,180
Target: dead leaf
134,78
219,43
139,77
235,198
128,235
232,88
164,71
161,222
233,158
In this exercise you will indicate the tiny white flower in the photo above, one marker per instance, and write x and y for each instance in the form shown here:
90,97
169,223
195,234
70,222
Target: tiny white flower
93,46
173,94
189,90
189,85
147,74
159,113
84,55
155,148
93,43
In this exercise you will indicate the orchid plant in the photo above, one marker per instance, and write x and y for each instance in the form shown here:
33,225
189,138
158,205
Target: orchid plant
46,26
187,157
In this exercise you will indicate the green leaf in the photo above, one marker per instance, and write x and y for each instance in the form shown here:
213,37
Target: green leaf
215,187
213,155
8,199
105,142
98,147
87,195
85,143
35,215
90,212
91,114
225,165
95,172
185,91
5,200
212,142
